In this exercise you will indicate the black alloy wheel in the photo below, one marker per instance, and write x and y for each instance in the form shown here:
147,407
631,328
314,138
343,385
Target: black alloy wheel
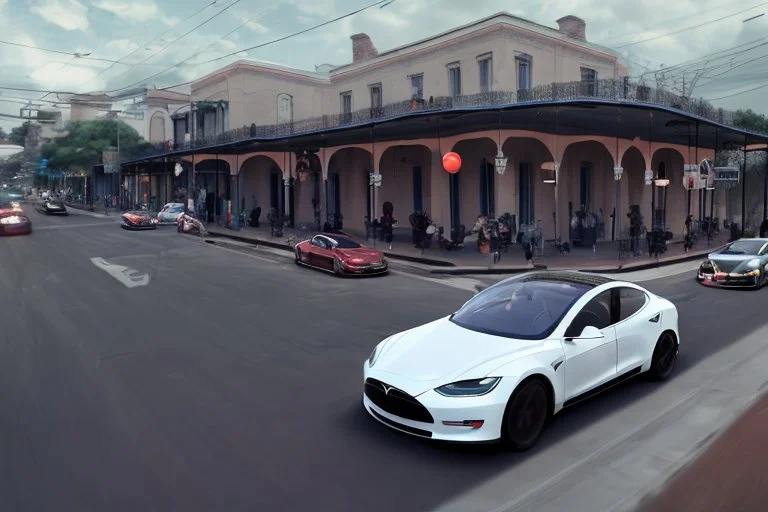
525,416
664,357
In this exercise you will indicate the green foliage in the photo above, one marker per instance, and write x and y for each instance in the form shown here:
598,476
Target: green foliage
750,120
85,141
18,134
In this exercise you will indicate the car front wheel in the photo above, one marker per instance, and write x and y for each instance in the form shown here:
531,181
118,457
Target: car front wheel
525,416
664,357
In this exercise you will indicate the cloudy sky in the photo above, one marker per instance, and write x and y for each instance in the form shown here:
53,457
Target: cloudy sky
165,42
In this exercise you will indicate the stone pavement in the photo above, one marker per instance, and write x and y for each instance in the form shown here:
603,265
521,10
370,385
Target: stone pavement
731,475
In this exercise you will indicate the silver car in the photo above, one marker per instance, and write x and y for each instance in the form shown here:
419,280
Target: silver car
170,213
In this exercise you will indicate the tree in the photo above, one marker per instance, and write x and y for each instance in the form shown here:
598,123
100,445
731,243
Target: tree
19,134
750,120
85,141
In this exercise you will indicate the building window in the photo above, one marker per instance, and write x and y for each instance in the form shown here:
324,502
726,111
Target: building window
485,63
523,65
346,102
454,79
376,101
284,108
588,81
417,86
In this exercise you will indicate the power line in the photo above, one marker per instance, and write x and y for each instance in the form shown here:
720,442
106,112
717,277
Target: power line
607,42
280,39
689,28
301,32
170,43
146,44
737,93
79,55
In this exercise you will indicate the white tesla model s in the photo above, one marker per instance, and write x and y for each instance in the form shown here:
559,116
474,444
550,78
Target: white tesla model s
517,353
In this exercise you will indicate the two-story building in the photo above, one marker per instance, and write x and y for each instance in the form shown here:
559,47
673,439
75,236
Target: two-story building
575,135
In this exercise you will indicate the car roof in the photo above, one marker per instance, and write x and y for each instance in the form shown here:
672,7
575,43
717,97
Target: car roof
567,276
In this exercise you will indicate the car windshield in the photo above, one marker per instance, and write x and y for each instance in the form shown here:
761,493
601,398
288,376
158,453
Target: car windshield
528,310
346,243
749,247
178,208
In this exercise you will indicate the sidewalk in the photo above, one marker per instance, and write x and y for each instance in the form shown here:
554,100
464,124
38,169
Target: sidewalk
605,259
731,475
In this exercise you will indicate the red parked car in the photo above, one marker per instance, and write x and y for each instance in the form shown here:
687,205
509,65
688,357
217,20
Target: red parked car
340,255
13,220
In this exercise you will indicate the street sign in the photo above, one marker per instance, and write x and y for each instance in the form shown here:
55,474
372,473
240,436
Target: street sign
43,163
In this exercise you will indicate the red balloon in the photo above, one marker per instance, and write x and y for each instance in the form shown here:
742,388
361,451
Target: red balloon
451,162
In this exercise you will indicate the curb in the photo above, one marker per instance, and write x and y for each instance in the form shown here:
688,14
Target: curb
448,268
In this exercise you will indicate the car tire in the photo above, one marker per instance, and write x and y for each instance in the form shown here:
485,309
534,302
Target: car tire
529,401
664,357
297,256
337,268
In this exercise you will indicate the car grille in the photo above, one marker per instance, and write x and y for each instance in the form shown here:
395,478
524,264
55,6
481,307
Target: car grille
396,402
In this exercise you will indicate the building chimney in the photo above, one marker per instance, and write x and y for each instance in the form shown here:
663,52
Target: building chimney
573,27
362,48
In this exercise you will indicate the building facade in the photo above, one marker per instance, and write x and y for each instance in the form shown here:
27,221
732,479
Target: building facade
300,163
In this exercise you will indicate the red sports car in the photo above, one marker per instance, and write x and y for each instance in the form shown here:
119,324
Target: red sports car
13,220
340,255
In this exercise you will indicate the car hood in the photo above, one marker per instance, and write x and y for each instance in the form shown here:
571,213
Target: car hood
7,212
362,252
442,352
731,262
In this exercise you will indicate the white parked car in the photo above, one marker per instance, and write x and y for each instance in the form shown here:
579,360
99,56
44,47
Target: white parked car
170,213
517,353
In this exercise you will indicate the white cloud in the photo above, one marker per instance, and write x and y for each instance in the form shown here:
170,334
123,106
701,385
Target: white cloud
257,27
136,11
68,14
66,77
120,47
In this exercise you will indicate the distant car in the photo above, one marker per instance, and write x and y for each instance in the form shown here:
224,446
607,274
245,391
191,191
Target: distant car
516,354
170,213
740,264
339,254
138,220
13,220
54,206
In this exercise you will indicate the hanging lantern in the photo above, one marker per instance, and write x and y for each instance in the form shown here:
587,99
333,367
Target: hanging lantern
451,162
501,162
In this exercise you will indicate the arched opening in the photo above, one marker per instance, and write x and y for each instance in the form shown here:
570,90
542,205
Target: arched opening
635,194
522,191
348,200
308,191
405,181
671,201
472,190
261,187
586,186
212,188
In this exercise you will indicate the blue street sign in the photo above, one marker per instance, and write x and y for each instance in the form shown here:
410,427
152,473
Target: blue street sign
43,163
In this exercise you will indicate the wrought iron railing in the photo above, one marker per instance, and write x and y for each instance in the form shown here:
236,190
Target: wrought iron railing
613,90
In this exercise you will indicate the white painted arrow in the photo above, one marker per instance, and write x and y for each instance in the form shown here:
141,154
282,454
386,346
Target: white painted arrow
128,276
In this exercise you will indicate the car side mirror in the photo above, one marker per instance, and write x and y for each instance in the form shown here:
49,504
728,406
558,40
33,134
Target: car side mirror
591,332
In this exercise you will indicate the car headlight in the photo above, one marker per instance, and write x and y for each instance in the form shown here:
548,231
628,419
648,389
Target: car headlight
12,219
474,387
753,263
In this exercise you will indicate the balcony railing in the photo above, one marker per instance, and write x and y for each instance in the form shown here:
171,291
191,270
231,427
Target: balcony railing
614,90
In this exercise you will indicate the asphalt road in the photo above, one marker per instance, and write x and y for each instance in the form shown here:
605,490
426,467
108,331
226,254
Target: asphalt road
232,381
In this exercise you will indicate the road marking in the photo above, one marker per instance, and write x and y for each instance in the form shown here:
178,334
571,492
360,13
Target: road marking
63,226
128,276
